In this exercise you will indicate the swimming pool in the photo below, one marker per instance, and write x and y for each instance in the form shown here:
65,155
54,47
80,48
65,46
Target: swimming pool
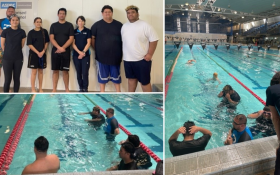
10,108
80,147
197,99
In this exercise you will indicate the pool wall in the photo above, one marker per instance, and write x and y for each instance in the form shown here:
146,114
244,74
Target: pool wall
134,172
250,157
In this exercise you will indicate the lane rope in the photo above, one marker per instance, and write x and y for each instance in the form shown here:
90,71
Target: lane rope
255,95
9,150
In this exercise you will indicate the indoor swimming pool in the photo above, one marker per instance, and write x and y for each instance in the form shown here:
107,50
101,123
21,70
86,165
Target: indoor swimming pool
191,97
80,147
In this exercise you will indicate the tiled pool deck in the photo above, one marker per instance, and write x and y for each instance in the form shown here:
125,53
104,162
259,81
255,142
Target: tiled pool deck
246,158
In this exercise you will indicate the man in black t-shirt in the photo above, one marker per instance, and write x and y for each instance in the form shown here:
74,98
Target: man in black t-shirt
230,98
141,157
97,118
61,36
189,144
126,154
107,43
263,122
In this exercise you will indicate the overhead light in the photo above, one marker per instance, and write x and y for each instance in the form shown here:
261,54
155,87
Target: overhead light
219,9
183,14
235,12
187,3
273,5
167,12
242,16
254,18
224,17
236,33
190,14
182,5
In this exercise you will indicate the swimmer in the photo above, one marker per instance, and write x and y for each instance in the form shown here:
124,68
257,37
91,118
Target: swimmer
230,98
97,118
190,61
250,57
215,78
44,163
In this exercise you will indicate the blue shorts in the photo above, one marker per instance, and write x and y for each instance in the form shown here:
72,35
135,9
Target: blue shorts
108,72
139,70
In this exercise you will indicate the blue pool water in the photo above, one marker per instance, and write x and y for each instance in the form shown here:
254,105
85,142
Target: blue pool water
170,54
190,97
80,147
10,109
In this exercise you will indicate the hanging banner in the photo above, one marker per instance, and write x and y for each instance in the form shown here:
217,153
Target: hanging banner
190,45
268,47
177,44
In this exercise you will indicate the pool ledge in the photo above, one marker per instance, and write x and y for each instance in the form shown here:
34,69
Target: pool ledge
134,172
249,157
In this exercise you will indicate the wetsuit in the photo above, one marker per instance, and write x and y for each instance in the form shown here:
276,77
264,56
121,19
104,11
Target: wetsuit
130,166
263,125
142,158
178,148
242,136
110,125
273,96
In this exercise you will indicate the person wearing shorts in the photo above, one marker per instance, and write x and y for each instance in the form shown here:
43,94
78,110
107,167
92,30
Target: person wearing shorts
107,42
37,41
61,36
12,42
4,24
139,44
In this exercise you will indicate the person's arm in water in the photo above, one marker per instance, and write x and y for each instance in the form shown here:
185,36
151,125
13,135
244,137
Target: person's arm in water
83,113
93,120
195,129
229,140
181,130
275,120
221,94
117,131
255,114
116,167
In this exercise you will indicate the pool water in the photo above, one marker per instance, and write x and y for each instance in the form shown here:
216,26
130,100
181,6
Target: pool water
170,54
10,109
82,148
191,97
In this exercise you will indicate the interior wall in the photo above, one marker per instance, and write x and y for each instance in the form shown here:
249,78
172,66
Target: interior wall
149,11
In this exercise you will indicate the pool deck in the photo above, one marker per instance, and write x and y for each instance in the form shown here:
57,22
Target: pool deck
251,157
134,172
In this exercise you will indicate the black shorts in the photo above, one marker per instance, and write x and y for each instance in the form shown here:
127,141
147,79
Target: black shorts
140,70
61,61
34,62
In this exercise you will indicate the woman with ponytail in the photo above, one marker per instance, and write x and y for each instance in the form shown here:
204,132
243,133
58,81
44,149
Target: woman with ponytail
37,41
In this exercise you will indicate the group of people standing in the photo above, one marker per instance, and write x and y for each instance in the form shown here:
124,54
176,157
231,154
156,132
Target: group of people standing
112,41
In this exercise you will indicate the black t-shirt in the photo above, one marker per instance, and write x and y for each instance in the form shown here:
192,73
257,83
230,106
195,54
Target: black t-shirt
264,124
99,116
130,166
186,147
273,96
114,125
13,47
81,40
234,96
61,33
142,158
108,42
36,39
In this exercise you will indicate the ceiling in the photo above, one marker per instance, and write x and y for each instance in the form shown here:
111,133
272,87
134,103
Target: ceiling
230,9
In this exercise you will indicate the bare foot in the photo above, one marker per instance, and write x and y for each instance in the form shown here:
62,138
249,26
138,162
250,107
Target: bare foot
53,90
33,91
41,90
67,90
